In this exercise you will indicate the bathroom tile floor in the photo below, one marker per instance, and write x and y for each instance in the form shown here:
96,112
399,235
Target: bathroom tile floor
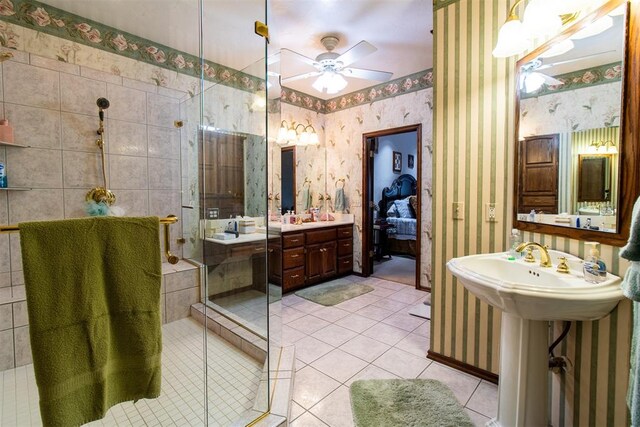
372,336
233,382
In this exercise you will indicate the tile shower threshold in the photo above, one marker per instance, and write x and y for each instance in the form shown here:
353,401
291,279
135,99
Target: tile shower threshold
279,377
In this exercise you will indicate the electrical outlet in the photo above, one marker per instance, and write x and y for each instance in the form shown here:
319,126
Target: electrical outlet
458,210
491,212
213,213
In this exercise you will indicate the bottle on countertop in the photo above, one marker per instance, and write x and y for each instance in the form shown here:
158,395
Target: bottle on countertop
532,215
595,271
514,241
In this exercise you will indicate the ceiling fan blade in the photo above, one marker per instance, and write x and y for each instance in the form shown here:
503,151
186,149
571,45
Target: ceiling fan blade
360,50
300,77
360,73
550,81
568,61
301,57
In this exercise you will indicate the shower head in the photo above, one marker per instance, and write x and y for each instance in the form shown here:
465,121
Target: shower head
103,104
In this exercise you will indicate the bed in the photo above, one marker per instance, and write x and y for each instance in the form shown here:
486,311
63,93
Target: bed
401,239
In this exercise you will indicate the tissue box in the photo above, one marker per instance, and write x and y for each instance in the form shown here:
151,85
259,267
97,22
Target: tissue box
246,226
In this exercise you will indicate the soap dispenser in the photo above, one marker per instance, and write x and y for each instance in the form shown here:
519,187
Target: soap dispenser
514,241
595,271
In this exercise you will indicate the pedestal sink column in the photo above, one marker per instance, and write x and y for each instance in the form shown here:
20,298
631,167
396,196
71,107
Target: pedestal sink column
522,395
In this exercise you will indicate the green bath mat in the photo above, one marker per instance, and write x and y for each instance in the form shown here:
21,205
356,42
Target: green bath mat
405,403
334,292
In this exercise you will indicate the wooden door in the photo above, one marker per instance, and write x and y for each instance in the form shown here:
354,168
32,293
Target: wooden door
314,263
538,174
329,259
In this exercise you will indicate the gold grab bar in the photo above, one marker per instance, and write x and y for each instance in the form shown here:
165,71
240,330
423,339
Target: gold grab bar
170,219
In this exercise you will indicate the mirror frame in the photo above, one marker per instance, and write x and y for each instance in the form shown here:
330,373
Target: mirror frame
629,149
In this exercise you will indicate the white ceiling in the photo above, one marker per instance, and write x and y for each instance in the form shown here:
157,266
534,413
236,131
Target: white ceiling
400,29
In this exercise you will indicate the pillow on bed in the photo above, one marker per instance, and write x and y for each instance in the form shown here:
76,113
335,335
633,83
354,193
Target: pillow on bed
404,210
392,211
413,201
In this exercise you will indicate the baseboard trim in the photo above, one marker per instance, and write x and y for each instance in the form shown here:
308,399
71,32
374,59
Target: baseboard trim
464,367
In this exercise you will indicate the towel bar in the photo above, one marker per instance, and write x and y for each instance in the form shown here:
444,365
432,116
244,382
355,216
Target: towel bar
170,219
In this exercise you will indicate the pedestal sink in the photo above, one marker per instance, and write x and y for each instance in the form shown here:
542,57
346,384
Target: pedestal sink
530,296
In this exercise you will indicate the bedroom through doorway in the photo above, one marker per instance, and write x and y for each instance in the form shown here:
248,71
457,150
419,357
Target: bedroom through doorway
391,219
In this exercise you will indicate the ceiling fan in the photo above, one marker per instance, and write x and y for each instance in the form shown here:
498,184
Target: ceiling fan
531,77
331,66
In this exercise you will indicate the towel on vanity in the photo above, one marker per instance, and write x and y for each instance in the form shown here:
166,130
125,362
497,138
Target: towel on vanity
306,199
340,201
632,249
93,296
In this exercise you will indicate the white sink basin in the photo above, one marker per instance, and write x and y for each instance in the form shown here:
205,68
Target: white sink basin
530,296
532,292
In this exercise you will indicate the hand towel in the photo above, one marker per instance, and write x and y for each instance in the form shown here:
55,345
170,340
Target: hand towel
340,201
93,297
306,199
633,392
631,283
632,250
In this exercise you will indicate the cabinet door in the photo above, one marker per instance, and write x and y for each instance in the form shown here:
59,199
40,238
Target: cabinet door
329,259
275,261
314,263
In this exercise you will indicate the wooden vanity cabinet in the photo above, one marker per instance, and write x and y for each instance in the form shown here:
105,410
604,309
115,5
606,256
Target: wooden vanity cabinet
312,256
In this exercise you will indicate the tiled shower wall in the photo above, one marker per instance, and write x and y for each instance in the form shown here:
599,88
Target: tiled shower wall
52,107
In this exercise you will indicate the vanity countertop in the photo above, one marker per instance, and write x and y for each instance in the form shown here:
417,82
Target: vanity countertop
242,238
285,228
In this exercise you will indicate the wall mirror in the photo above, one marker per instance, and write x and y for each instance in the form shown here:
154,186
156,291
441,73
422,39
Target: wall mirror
575,172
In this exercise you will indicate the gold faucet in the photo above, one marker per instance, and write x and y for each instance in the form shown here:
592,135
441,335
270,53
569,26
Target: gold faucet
545,261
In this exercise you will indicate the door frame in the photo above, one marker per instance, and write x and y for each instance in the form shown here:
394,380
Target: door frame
367,218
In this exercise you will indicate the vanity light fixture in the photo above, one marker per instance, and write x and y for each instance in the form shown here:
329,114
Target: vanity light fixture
542,18
297,134
610,146
597,27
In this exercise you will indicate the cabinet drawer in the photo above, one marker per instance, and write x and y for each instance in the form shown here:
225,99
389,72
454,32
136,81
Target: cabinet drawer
320,236
293,278
292,258
345,264
345,232
345,247
238,251
292,240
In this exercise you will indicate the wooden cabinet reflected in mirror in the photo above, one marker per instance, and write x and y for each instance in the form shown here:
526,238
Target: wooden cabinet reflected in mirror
577,155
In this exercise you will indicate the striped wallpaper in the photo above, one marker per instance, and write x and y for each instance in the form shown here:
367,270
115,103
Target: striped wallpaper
473,164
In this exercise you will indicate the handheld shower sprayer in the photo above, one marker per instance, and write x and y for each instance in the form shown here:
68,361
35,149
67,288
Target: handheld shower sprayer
103,104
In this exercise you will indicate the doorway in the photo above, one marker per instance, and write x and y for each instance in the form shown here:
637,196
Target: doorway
391,199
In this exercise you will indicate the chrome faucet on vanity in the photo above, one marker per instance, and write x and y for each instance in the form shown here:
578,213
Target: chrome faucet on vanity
545,260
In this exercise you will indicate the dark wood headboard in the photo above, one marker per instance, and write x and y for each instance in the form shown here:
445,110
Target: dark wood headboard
403,186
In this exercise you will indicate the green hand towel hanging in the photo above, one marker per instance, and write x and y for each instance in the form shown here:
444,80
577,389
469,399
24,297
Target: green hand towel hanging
93,296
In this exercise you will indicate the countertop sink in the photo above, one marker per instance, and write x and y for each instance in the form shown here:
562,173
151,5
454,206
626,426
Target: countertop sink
532,292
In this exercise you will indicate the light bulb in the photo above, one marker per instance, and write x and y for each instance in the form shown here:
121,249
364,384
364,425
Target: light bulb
540,19
597,27
512,39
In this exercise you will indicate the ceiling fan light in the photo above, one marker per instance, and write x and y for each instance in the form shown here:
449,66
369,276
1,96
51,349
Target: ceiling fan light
597,27
512,39
558,49
533,81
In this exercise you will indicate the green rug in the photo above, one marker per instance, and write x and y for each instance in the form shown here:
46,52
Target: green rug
334,292
405,403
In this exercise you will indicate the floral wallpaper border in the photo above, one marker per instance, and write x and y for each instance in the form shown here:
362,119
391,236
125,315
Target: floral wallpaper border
579,79
41,17
403,85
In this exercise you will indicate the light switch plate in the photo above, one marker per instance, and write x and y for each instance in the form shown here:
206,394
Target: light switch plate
458,210
213,213
491,213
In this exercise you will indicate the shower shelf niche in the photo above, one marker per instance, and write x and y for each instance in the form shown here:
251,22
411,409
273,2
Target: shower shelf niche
11,144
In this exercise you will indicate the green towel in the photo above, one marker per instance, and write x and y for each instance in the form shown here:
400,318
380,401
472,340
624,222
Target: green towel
632,249
93,293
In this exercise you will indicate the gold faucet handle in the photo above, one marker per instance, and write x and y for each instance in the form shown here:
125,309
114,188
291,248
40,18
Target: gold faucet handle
529,256
563,267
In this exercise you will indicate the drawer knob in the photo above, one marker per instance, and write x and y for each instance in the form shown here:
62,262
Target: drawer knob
345,262
295,276
295,256
346,245
294,240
